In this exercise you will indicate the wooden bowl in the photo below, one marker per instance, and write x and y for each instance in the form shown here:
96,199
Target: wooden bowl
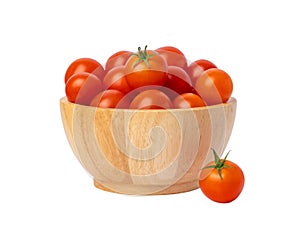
146,151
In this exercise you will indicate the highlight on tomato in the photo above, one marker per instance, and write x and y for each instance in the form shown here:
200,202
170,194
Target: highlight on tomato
151,99
110,98
82,87
173,56
196,68
178,80
117,59
221,180
214,86
87,65
145,68
115,78
188,100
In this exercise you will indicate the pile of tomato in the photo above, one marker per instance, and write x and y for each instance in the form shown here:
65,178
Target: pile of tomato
147,79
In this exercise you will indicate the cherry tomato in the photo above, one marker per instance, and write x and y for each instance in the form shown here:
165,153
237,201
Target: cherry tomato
145,68
82,87
214,86
151,99
221,180
110,98
115,79
117,59
178,80
87,65
196,68
173,56
188,100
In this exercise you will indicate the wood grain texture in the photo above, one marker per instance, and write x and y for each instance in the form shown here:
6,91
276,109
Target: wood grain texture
146,151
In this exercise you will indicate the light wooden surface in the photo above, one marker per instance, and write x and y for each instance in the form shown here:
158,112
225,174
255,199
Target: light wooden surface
146,151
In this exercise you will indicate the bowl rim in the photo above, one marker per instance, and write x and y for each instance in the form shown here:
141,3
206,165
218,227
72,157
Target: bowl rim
231,101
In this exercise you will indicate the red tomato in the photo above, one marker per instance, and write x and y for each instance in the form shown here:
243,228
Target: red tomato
117,59
110,98
87,65
196,68
82,87
188,100
115,79
151,99
145,68
214,86
178,80
222,180
173,56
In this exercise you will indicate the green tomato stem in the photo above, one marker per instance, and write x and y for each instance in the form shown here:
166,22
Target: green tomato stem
143,56
219,163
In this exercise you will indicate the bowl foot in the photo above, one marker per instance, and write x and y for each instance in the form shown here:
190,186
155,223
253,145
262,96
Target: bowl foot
133,189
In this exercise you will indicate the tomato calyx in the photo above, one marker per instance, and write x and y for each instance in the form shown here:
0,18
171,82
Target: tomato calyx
219,163
143,56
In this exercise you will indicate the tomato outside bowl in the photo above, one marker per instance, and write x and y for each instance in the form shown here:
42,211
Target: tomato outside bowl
146,152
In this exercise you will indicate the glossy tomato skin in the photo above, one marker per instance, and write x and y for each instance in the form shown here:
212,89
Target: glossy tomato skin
214,86
178,80
110,98
222,190
82,87
151,99
188,100
196,68
173,56
117,59
139,73
87,65
115,78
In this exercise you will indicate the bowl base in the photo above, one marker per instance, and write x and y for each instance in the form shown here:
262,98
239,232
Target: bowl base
150,190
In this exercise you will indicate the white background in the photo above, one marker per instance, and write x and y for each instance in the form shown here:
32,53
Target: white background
46,196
